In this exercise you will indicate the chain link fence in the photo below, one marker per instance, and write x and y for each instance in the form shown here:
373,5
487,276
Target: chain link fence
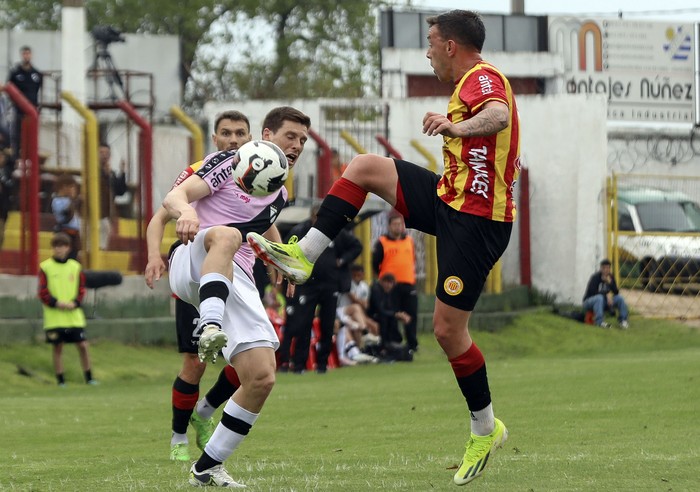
654,241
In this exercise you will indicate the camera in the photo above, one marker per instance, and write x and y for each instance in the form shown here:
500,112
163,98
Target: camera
107,34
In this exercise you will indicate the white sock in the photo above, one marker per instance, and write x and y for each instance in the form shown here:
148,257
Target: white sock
482,421
204,409
224,441
178,439
313,244
211,310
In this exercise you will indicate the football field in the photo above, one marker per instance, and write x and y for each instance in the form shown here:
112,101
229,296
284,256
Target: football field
587,409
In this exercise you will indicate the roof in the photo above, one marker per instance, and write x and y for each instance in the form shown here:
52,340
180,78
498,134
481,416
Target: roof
635,195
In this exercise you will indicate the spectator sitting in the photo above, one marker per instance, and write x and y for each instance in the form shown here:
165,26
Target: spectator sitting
602,294
65,206
383,308
352,309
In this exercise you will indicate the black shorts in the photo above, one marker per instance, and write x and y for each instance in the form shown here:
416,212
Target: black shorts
56,336
467,245
186,320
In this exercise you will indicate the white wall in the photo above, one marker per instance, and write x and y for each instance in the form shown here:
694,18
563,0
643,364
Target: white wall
564,144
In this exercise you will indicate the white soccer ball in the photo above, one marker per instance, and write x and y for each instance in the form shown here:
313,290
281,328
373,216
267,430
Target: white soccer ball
259,168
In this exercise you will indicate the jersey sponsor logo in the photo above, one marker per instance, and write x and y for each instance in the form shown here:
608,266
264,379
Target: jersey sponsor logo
221,175
273,214
453,285
486,84
480,181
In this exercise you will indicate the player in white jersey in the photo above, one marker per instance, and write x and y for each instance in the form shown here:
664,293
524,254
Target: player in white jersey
202,272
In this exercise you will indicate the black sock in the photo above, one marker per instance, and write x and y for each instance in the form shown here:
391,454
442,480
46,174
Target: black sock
59,379
184,398
221,391
205,462
88,376
333,215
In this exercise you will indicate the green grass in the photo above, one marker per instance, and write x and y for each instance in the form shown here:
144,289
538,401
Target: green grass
587,409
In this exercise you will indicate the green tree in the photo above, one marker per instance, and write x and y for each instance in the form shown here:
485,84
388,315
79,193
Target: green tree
287,48
244,48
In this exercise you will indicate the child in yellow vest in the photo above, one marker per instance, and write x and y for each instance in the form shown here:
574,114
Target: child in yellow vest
61,290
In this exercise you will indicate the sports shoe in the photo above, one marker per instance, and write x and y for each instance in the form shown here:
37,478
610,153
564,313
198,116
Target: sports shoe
624,324
204,429
477,454
216,476
211,341
288,258
179,452
604,324
362,358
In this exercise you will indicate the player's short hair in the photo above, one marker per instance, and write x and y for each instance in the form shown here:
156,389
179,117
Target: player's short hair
277,116
105,145
605,262
356,267
25,48
60,239
232,115
463,26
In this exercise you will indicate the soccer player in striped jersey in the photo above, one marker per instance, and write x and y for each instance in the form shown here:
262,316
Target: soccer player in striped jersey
212,217
231,131
470,209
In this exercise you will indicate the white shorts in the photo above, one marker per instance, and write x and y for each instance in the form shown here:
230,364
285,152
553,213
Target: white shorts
245,322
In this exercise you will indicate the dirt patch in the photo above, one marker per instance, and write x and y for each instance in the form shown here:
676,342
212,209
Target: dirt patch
684,308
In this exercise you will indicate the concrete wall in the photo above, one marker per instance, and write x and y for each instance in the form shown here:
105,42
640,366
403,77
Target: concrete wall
25,287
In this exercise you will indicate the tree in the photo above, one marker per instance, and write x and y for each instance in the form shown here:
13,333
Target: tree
325,48
320,48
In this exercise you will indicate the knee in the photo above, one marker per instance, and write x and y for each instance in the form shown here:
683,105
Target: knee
262,383
224,239
441,332
192,369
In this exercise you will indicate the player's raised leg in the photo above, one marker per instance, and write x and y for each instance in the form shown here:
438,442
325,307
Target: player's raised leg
365,173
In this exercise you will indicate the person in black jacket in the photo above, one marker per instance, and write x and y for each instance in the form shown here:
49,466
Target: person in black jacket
384,308
602,294
29,81
330,276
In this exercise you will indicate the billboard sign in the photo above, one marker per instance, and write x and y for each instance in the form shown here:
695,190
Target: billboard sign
645,69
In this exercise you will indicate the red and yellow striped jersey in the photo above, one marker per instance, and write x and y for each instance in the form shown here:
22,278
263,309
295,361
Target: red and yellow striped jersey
189,171
480,172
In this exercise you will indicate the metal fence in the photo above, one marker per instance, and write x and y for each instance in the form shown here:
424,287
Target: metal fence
654,242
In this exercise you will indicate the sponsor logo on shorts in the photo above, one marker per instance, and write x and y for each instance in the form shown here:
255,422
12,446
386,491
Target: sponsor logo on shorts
453,285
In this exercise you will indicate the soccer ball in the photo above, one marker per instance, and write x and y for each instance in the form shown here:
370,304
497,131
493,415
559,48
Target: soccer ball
259,168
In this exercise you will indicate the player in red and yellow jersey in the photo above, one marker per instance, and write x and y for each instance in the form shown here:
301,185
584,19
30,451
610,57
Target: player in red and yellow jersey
469,209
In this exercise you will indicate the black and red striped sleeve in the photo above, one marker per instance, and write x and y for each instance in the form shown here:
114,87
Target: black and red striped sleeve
81,290
44,294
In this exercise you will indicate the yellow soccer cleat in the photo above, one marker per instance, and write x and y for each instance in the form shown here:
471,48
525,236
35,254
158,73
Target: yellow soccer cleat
478,451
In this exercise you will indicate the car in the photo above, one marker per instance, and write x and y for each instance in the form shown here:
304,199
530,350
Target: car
658,237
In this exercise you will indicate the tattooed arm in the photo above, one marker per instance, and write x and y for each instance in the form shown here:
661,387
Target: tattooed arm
492,118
